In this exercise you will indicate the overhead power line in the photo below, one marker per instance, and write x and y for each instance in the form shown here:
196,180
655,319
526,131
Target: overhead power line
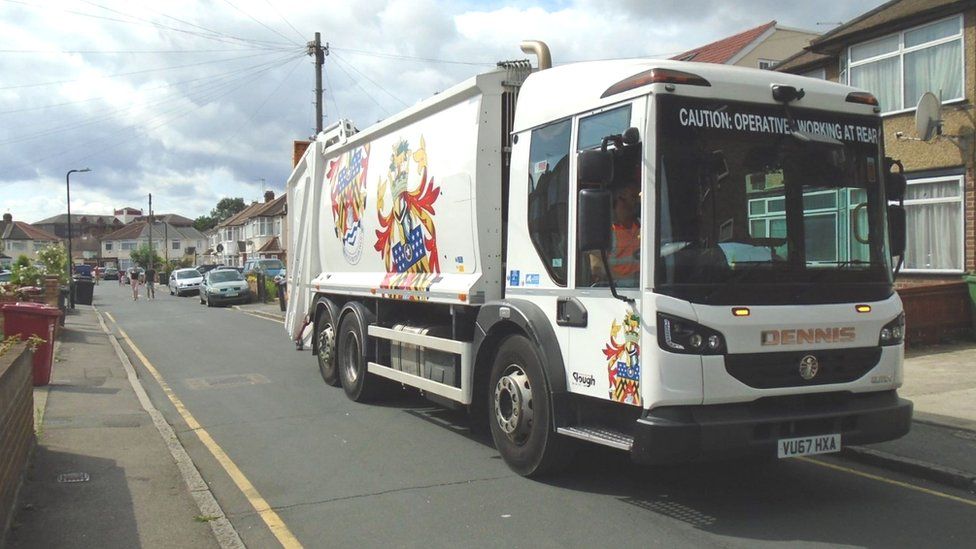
360,73
209,78
109,114
259,22
144,127
300,35
143,71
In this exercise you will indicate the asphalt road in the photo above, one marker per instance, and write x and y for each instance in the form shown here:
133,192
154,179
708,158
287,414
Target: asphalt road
406,473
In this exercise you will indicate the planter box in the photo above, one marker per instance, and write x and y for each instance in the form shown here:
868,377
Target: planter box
936,312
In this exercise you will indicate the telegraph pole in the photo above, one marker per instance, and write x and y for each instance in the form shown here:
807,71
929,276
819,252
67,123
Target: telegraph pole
315,48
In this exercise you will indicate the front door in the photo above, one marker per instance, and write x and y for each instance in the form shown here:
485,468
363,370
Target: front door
605,332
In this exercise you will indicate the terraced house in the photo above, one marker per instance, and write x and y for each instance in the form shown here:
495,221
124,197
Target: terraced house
899,51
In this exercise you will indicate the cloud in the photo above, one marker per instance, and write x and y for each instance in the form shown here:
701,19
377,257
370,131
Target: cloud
195,101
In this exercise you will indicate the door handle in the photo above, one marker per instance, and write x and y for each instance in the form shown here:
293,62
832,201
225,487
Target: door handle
570,312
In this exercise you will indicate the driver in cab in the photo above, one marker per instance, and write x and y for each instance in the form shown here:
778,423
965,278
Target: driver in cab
624,254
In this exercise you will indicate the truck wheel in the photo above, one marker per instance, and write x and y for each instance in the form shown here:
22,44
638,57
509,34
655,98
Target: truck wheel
354,352
326,343
519,411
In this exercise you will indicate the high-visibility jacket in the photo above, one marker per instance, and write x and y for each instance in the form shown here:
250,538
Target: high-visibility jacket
624,255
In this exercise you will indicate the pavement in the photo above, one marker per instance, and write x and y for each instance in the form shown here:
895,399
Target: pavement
105,472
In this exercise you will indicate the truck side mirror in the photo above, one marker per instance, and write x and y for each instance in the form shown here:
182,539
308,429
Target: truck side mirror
896,229
594,234
895,182
595,167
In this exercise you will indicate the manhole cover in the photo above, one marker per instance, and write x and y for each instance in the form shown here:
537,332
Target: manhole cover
73,477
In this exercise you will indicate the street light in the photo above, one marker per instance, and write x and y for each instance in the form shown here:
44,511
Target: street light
67,184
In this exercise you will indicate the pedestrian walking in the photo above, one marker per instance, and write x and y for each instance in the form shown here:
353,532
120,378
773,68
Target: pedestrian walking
96,272
134,282
150,283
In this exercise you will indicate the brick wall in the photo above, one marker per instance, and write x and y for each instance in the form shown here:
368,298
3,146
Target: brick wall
16,426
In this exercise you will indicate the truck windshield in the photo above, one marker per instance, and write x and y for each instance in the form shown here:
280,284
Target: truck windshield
749,212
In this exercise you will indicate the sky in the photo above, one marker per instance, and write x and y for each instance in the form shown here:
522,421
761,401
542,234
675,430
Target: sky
194,101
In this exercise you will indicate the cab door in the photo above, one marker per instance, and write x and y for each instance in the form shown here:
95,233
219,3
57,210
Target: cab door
604,331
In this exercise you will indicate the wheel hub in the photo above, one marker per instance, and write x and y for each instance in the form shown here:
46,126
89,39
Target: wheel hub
326,345
352,357
513,404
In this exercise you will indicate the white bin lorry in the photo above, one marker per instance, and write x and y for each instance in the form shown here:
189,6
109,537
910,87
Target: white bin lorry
684,261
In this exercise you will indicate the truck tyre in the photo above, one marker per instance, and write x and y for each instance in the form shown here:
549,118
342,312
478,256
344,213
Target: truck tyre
519,411
325,341
354,352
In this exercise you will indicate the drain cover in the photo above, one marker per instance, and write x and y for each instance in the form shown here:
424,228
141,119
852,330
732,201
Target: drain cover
73,477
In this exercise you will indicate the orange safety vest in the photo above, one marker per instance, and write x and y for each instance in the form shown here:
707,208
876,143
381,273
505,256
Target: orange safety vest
624,260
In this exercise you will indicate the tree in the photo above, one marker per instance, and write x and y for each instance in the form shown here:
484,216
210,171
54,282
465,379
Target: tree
204,223
141,256
226,208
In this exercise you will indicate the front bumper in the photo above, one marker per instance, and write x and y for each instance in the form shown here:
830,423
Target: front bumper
696,433
243,297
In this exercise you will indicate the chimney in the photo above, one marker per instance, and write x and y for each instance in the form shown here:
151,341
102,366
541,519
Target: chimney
268,196
8,218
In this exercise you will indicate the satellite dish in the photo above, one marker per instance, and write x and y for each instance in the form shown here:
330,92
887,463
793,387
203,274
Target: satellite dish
220,247
928,119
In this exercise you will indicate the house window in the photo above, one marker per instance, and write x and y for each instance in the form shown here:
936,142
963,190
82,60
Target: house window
176,245
767,64
128,245
934,219
20,246
899,68
108,246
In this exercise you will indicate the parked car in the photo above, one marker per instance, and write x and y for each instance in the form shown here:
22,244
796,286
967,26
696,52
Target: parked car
223,286
204,268
5,275
111,273
184,281
268,267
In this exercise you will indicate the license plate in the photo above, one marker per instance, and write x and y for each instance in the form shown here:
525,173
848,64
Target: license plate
808,446
231,293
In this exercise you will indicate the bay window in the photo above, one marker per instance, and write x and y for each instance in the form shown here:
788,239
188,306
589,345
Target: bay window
934,219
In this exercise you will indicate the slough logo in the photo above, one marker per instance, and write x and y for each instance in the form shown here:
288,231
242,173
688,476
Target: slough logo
407,238
347,177
623,360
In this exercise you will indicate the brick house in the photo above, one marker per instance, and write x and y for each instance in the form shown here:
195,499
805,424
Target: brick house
898,51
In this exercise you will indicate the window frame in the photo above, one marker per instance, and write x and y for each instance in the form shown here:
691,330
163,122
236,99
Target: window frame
552,271
958,199
900,55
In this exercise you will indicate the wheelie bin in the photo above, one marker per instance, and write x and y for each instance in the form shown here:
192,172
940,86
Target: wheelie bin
84,290
34,319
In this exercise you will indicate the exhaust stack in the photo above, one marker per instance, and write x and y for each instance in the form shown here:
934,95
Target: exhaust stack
541,51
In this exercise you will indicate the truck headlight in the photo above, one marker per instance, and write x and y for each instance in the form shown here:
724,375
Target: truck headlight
893,333
678,335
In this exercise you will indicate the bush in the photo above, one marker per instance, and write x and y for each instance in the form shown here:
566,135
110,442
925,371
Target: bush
55,257
25,274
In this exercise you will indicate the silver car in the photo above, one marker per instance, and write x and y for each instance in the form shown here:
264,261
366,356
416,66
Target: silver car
224,286
184,281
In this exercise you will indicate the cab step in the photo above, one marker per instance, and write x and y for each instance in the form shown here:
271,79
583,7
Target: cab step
599,435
